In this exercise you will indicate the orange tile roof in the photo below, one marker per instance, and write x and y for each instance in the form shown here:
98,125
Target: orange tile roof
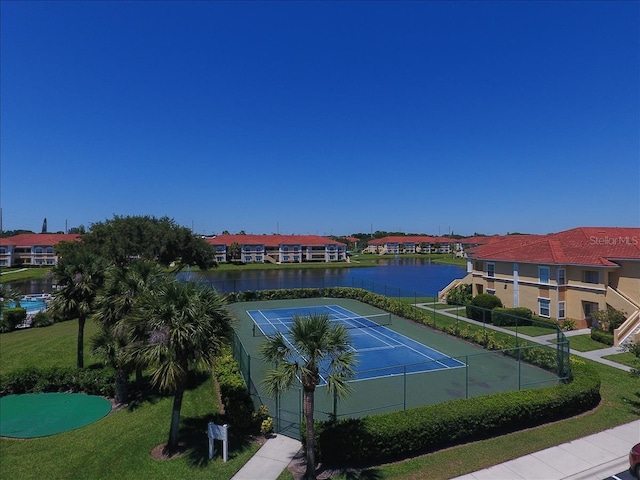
595,246
42,239
273,240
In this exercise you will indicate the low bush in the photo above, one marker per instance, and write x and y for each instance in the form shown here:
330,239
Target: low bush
481,306
459,295
11,318
602,336
237,403
511,317
398,435
91,381
42,319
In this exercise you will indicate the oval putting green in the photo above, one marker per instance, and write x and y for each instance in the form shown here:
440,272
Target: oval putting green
43,414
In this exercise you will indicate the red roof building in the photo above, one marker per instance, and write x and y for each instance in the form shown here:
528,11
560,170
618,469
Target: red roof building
278,248
32,249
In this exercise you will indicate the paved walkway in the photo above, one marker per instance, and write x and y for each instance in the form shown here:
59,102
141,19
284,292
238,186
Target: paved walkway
271,460
597,456
589,458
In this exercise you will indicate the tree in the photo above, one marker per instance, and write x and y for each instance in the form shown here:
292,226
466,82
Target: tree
185,326
313,344
124,286
122,239
235,251
81,276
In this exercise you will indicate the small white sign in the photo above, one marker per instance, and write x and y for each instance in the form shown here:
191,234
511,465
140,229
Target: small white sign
218,432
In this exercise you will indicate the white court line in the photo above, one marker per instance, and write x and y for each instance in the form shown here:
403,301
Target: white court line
283,336
403,345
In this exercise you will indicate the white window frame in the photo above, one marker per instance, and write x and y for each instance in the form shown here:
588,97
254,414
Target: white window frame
562,310
492,273
543,268
562,277
546,301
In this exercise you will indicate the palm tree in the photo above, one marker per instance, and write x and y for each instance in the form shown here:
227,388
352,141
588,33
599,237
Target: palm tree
124,286
81,276
313,344
186,325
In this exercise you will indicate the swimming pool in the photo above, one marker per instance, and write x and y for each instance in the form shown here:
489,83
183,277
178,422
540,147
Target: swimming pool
30,305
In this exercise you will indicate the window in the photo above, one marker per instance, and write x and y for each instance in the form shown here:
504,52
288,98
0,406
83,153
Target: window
3,251
491,291
49,250
38,250
259,248
246,248
544,307
591,276
562,276
296,258
220,248
544,274
491,269
247,258
285,249
258,257
561,310
285,258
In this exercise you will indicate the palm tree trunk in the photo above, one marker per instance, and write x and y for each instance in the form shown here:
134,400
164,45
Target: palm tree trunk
308,407
172,444
80,358
122,384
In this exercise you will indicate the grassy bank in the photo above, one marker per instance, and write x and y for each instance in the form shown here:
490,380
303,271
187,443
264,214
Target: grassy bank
119,445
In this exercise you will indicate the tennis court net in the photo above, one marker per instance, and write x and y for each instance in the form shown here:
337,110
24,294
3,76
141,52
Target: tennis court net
283,325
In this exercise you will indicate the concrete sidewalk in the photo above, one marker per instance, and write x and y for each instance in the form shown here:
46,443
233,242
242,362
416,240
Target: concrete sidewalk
597,456
271,460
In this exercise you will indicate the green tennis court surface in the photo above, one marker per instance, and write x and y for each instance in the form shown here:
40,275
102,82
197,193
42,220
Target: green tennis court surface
43,414
380,351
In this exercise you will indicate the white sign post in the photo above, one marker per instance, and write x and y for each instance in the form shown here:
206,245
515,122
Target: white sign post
218,432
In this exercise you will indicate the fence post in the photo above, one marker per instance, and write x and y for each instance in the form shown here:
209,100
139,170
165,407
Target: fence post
404,368
466,381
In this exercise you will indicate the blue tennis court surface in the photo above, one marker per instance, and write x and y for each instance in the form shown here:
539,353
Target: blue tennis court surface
380,351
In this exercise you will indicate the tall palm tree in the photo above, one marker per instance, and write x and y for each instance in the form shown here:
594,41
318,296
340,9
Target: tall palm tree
81,276
186,325
313,344
124,286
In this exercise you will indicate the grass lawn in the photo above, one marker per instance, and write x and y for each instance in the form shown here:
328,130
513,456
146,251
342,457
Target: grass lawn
584,343
119,445
20,274
532,330
626,358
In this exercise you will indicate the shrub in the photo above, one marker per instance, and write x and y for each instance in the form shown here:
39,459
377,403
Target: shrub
459,295
608,319
602,336
42,319
11,318
481,306
507,317
398,435
238,406
59,379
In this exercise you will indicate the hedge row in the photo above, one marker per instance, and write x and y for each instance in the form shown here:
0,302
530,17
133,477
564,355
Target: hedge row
397,435
238,406
602,336
59,379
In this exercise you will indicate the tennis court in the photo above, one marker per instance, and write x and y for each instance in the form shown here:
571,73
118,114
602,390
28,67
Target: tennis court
401,364
380,350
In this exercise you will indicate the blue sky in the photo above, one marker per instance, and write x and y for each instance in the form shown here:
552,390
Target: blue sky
321,117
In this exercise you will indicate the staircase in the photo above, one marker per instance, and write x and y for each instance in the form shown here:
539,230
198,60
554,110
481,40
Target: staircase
629,331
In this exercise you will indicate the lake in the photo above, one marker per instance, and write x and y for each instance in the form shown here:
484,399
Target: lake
404,277
392,277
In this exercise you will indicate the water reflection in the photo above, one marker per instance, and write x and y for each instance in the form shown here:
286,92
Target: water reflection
392,277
